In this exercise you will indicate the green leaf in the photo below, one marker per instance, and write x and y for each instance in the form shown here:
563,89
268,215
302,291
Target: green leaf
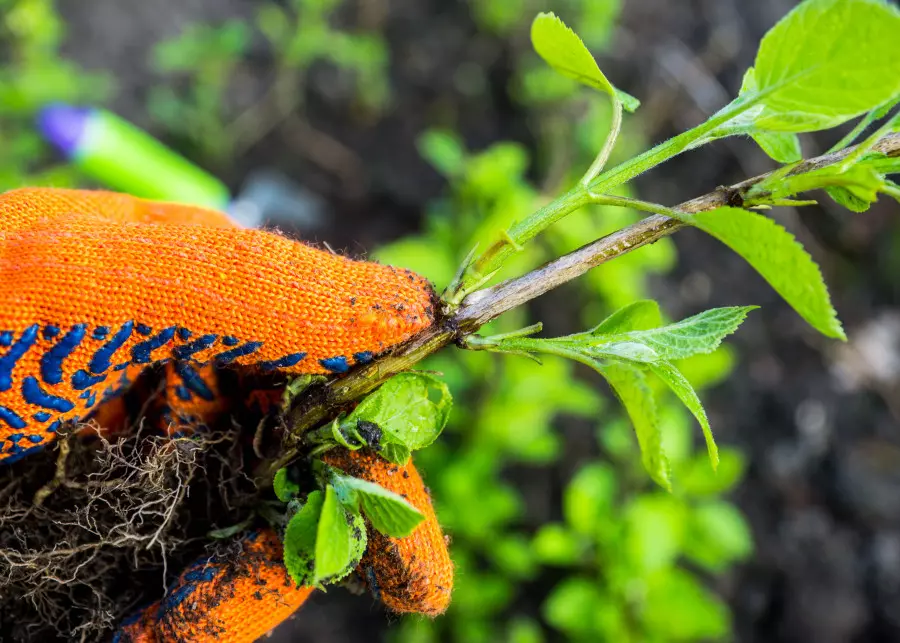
444,150
389,513
677,607
226,533
696,478
702,333
861,179
338,537
777,256
685,392
572,606
631,351
274,24
553,544
846,197
563,50
396,453
629,102
300,540
783,147
639,315
630,386
718,535
655,524
882,164
826,62
709,369
512,555
285,490
885,109
410,408
524,630
589,497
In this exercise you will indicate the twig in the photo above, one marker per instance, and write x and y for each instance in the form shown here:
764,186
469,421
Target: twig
319,403
481,307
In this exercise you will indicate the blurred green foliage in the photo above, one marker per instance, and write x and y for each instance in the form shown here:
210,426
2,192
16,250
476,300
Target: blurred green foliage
620,560
204,58
34,74
201,65
624,561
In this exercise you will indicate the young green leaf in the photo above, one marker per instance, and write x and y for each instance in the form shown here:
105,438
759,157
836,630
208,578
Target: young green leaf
284,488
695,478
695,335
874,115
639,315
718,535
396,453
226,533
340,539
777,256
300,540
783,147
861,179
589,499
444,150
630,386
685,392
826,62
881,163
847,198
389,513
563,50
410,408
629,351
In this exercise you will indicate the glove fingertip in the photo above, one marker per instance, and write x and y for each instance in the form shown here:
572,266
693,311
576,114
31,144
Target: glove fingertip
412,574
233,600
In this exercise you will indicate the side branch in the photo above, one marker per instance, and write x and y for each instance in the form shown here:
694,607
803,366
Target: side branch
320,403
481,307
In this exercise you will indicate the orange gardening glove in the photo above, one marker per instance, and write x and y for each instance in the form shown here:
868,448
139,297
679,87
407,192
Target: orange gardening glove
96,287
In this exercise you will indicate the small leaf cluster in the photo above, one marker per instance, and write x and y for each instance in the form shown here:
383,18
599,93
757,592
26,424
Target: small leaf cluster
626,549
826,62
628,345
564,51
325,532
301,32
406,413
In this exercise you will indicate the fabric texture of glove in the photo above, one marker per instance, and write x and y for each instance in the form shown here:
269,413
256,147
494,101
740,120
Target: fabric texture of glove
96,286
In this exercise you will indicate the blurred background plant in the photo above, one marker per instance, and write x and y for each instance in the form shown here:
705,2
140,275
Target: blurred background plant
427,124
600,549
201,63
34,74
593,553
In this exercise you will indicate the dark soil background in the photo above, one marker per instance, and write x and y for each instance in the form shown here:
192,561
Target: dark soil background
819,422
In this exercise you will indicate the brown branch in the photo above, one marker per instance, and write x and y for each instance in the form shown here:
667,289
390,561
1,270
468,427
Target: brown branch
481,307
320,403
